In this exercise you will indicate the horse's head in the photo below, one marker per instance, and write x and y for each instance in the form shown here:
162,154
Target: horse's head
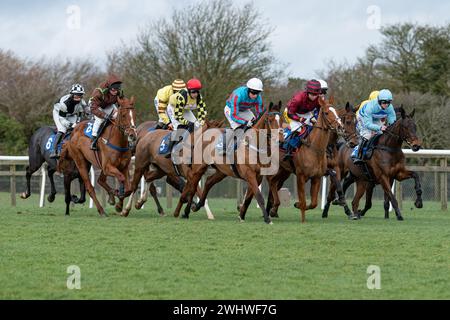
408,129
272,120
328,117
348,119
126,120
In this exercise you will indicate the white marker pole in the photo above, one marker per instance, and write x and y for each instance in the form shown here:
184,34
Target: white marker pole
92,172
42,197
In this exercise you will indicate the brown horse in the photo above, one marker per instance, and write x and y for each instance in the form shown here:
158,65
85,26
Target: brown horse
309,162
386,164
246,168
152,165
113,157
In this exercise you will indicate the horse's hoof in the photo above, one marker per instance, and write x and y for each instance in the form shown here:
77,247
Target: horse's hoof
273,214
418,204
139,205
185,216
400,218
297,205
125,213
51,198
118,208
74,199
340,202
103,215
324,216
24,195
353,217
241,220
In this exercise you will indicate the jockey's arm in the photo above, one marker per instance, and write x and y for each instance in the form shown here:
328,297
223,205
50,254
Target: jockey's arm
57,118
368,122
392,117
95,105
234,114
179,111
202,112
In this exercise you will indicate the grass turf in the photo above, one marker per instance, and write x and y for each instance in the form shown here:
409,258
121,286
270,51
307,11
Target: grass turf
145,256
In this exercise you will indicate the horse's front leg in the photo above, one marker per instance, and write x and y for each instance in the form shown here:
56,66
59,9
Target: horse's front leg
406,174
386,184
102,181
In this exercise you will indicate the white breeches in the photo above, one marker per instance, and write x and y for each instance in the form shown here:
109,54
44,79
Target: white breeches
188,115
98,121
247,115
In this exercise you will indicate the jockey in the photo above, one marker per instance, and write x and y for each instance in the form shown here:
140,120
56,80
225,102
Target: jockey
373,118
103,104
67,113
241,107
323,93
162,99
373,95
180,109
302,110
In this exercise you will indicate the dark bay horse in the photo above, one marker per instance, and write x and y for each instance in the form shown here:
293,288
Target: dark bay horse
309,162
153,165
39,150
113,158
386,164
246,168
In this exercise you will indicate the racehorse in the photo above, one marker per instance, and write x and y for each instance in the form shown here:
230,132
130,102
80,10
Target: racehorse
114,155
309,162
245,170
153,165
39,150
386,163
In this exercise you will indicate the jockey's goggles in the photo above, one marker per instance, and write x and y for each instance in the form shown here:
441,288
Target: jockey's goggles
256,92
194,91
385,101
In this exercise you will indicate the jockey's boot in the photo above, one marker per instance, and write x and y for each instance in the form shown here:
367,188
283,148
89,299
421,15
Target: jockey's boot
55,154
289,147
357,157
94,143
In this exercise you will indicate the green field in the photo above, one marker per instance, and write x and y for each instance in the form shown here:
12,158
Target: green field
148,257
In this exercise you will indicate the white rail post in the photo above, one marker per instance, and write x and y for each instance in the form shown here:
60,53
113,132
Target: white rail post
324,192
42,196
92,172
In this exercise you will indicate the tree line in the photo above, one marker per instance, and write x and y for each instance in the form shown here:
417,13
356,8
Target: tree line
224,45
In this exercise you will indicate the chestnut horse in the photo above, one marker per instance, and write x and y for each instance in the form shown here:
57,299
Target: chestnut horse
386,164
309,162
152,165
247,168
113,157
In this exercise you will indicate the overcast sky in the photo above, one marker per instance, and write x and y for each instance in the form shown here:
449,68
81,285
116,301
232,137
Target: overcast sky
307,33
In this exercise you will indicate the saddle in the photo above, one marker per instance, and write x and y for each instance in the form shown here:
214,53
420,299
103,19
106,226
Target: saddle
51,141
295,140
371,145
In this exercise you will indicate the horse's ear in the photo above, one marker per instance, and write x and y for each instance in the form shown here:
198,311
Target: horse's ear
348,107
331,101
132,100
280,104
270,105
322,102
402,112
411,115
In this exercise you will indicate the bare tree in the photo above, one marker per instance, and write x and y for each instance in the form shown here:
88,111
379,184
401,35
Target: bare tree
215,41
